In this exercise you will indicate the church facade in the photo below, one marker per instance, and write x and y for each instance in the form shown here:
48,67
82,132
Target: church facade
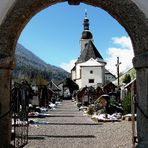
89,69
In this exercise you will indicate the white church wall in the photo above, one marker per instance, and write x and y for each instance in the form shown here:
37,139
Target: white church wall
79,83
73,74
91,73
78,72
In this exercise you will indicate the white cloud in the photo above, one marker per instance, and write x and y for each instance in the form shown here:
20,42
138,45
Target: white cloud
68,66
124,52
124,42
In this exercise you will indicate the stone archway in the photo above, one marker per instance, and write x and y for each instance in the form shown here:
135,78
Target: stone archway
125,12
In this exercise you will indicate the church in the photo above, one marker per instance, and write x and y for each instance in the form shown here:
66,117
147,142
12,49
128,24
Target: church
89,69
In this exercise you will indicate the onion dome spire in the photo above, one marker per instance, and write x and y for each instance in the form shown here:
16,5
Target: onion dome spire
86,34
86,21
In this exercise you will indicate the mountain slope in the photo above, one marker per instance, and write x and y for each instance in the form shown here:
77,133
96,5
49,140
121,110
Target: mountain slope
30,66
24,56
131,72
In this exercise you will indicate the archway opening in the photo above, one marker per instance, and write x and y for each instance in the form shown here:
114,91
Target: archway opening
20,14
116,39
112,42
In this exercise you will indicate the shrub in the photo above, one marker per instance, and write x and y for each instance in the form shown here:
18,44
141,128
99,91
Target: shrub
126,103
127,78
90,110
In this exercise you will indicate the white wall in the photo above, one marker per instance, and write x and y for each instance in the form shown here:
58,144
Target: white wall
79,83
97,75
73,74
4,7
78,72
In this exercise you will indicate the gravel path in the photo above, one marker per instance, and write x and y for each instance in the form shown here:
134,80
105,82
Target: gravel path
69,128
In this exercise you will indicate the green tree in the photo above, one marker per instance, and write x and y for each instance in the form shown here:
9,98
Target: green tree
40,80
120,74
127,78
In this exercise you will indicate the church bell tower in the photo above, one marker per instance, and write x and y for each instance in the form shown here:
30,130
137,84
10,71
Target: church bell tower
86,34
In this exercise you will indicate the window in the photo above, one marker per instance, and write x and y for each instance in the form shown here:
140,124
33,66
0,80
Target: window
91,72
91,80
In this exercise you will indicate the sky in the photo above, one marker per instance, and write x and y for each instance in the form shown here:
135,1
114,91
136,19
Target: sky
54,35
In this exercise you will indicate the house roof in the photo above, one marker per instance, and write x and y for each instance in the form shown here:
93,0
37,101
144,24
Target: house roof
53,86
90,51
108,72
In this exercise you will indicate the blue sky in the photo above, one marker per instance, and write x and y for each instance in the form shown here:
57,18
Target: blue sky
54,34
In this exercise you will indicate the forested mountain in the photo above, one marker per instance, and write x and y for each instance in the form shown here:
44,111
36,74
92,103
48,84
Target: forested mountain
32,68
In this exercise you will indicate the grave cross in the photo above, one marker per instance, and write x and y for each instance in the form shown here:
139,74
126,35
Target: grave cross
118,64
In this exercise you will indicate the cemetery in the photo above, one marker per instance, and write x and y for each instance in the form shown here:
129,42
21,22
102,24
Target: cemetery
38,117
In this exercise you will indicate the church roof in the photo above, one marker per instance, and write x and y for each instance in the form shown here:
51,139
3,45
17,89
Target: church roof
91,62
90,51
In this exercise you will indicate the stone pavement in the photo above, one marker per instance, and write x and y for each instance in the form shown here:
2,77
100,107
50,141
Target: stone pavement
69,128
